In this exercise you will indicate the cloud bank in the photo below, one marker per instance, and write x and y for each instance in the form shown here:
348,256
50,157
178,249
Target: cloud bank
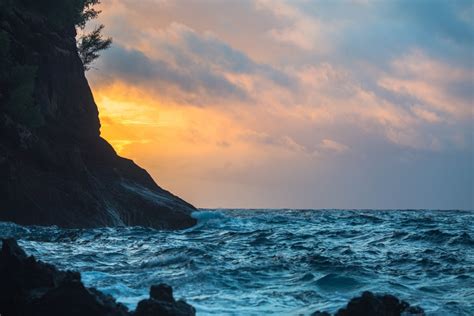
352,104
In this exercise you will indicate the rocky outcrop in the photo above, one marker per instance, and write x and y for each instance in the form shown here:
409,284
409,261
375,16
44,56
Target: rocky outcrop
55,169
30,287
162,302
370,304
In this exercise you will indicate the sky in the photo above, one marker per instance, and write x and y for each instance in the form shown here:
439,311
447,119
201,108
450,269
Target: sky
293,104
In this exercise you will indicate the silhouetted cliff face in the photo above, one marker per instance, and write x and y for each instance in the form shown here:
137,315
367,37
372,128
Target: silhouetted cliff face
55,169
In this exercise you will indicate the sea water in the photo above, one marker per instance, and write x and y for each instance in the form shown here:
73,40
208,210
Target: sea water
285,262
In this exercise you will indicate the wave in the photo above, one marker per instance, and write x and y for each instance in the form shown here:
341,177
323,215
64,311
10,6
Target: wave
275,261
207,215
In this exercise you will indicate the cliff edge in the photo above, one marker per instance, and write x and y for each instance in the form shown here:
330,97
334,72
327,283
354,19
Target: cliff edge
55,169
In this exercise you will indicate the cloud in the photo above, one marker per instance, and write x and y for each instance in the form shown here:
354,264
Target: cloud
332,145
286,142
428,81
195,82
184,65
325,92
299,29
427,115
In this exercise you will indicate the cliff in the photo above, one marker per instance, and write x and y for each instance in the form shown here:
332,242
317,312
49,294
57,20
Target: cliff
55,169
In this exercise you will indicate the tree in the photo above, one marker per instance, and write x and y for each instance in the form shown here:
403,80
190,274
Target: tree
88,12
91,44
18,75
61,13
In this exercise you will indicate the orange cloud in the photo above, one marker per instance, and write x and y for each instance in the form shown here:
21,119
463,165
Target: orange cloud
428,80
220,110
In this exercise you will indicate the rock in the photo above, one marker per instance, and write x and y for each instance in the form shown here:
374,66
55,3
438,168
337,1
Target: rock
414,311
32,288
155,307
370,304
73,298
162,292
59,171
162,302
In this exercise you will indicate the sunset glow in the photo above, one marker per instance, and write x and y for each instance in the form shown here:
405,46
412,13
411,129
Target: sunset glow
271,104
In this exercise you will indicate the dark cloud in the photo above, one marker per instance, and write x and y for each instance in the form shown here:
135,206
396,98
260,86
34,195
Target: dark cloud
195,64
337,126
134,67
220,54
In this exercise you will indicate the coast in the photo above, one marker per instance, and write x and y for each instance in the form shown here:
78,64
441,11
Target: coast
31,287
55,168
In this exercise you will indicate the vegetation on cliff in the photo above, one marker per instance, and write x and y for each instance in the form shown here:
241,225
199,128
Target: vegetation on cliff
17,82
18,75
55,167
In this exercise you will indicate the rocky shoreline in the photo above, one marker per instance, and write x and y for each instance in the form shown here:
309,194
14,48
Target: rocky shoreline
31,287
56,169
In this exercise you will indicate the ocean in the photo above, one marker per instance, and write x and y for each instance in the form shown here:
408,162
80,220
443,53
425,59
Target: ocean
281,262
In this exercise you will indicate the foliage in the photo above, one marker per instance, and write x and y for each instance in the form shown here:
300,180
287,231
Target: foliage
91,44
21,103
17,79
61,12
88,12
69,13
17,87
4,54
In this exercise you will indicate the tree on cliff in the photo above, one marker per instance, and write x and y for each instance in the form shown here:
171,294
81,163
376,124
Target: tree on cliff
17,74
62,12
89,45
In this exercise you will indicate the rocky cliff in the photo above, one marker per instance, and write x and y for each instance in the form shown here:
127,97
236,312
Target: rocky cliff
55,169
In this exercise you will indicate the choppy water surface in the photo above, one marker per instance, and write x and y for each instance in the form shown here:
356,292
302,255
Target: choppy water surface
250,262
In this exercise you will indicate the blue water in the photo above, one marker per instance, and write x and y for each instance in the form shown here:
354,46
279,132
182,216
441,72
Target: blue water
286,262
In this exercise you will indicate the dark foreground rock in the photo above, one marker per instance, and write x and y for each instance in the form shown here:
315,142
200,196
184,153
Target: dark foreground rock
29,287
370,304
55,169
162,302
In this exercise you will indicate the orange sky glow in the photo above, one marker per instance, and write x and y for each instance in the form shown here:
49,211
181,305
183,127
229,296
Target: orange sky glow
269,104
